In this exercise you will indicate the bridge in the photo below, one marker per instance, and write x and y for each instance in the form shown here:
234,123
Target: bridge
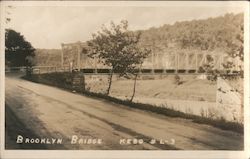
175,61
172,61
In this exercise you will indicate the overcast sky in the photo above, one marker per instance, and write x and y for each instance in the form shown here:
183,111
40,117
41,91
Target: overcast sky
48,27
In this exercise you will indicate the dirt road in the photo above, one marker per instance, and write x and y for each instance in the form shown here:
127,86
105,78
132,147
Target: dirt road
37,111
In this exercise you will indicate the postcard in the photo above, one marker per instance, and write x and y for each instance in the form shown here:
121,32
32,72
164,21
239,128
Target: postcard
125,79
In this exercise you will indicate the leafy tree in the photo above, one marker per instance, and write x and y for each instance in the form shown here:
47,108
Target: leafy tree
236,50
18,51
212,73
117,48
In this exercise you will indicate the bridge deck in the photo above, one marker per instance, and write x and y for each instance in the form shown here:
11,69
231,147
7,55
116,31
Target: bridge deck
102,71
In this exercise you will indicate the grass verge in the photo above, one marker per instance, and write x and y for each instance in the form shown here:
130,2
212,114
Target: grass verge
63,80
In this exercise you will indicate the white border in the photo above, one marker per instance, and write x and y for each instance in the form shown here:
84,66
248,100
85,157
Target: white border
127,3
246,81
24,154
2,74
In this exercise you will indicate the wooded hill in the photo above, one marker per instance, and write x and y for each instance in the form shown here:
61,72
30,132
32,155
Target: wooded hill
222,34
48,57
207,34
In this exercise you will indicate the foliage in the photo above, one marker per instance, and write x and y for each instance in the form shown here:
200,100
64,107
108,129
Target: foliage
48,57
224,34
117,48
236,45
236,50
209,69
208,34
18,51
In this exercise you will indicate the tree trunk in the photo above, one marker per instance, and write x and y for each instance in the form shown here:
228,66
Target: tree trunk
110,81
132,97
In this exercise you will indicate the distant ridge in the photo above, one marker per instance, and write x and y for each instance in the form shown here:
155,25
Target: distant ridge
48,57
219,34
206,34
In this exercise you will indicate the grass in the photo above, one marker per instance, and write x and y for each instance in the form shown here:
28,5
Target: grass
162,87
63,80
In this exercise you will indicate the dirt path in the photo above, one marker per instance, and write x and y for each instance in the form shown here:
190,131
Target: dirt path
50,112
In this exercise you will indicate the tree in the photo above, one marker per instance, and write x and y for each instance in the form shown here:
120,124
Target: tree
212,73
18,51
117,48
236,50
230,38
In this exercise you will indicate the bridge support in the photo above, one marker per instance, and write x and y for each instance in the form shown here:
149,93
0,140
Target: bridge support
164,71
79,56
176,63
62,54
196,63
187,63
153,71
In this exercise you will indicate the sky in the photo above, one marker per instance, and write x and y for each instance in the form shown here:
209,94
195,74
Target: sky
49,26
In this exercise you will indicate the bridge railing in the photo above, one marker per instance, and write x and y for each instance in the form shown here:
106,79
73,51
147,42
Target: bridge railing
102,71
38,69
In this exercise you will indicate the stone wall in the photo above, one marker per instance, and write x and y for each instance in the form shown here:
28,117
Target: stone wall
229,101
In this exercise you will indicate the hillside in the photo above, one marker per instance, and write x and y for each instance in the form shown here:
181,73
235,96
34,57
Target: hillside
208,34
222,34
48,57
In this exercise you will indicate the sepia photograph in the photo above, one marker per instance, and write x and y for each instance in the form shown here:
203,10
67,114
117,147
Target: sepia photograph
116,75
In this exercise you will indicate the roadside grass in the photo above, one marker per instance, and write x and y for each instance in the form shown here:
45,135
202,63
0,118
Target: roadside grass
63,80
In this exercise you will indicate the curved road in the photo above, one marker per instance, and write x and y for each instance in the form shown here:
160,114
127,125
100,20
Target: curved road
37,111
